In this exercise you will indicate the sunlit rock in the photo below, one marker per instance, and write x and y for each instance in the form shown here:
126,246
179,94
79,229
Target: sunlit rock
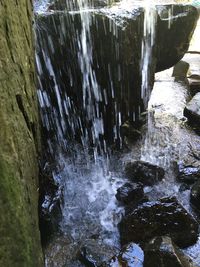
163,217
162,252
144,172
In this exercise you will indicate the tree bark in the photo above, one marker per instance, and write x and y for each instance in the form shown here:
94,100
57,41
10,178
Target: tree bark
19,139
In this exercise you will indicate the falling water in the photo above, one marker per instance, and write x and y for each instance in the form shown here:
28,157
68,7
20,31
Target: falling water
150,17
85,174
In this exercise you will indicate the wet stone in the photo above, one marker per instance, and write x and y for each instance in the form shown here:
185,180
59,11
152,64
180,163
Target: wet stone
192,110
162,252
130,256
130,193
144,172
157,218
86,258
194,84
195,195
180,70
187,173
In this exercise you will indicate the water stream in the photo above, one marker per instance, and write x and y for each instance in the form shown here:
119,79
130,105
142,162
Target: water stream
88,173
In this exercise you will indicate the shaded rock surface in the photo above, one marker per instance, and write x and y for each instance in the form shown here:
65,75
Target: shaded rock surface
175,30
187,173
50,201
130,192
19,139
144,172
130,256
116,61
192,110
162,252
163,217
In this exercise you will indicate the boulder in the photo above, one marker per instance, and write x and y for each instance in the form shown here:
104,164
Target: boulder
187,173
195,195
192,110
130,193
144,172
163,217
116,35
194,84
162,252
130,256
176,24
180,70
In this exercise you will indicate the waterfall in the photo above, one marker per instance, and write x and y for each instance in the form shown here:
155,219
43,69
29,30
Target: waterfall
148,42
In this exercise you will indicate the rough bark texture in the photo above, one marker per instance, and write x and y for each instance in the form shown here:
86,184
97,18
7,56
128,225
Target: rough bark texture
19,232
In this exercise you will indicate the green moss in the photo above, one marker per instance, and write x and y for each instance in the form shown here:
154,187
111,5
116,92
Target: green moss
19,138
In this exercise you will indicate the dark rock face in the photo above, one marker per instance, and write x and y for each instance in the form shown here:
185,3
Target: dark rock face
174,33
195,195
194,83
187,173
180,70
192,110
130,193
144,172
163,217
115,64
116,58
130,256
49,206
162,252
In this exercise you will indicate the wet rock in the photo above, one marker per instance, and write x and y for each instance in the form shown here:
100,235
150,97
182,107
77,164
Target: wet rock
180,70
130,193
162,252
195,195
192,110
50,199
130,256
173,38
194,84
187,173
163,217
116,38
86,258
144,172
130,132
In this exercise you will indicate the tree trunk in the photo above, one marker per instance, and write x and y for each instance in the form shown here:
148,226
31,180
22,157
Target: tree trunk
19,139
